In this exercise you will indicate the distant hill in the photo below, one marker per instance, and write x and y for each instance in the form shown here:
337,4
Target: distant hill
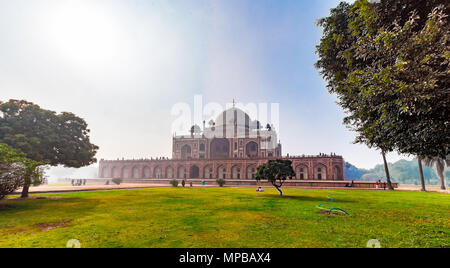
402,171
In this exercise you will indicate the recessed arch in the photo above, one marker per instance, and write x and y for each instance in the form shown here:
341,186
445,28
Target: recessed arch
219,148
208,172
170,172
135,173
236,172
320,172
194,172
181,173
115,172
147,173
125,173
222,172
103,173
251,149
186,152
301,172
251,172
157,172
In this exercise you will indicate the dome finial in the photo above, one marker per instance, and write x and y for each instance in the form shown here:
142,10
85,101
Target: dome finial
234,103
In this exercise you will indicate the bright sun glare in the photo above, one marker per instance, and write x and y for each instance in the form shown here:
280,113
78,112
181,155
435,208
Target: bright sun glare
83,32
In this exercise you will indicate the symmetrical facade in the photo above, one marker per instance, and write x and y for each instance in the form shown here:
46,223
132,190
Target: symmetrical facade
231,148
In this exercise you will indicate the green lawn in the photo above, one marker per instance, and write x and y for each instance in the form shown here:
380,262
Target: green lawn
226,217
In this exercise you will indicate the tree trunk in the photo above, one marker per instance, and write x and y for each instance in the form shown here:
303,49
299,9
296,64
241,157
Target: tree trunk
386,170
25,189
440,172
27,183
279,190
422,180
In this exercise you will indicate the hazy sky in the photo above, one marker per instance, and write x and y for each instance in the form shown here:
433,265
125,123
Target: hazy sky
122,65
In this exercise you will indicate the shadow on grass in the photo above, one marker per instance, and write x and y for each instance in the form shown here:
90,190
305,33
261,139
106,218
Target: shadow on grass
21,205
307,198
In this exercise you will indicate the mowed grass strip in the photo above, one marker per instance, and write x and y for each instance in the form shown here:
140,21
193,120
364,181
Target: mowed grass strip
226,217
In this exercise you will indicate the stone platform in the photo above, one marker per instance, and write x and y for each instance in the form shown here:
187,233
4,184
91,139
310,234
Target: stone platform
235,182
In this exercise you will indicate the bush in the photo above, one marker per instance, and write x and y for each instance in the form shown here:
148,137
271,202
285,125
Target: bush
117,181
15,170
174,183
221,182
11,178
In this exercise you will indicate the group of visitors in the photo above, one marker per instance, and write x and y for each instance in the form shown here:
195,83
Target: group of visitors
79,182
379,184
350,184
183,183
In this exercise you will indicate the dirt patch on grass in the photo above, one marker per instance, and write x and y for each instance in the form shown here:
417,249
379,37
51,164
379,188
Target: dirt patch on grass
332,213
45,227
42,226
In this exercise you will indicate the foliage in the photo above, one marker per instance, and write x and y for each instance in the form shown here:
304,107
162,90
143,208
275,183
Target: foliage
388,64
276,172
221,182
14,169
174,182
405,88
11,178
247,219
45,137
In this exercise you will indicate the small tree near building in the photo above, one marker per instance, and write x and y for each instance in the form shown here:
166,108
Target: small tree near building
14,168
276,172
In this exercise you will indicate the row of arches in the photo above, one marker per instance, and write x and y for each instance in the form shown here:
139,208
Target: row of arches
303,172
220,148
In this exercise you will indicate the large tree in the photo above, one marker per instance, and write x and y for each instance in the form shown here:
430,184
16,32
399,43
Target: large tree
337,61
45,136
440,167
276,172
388,64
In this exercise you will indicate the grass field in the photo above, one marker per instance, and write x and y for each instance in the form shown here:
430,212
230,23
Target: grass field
226,217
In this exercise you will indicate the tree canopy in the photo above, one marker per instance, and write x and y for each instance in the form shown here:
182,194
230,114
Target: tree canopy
388,64
44,136
276,172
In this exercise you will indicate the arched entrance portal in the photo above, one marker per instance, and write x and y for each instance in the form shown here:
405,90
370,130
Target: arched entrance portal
208,172
220,148
251,172
186,152
251,149
301,172
236,172
194,172
222,172
320,172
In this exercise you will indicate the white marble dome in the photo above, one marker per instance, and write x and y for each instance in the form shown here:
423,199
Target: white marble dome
233,116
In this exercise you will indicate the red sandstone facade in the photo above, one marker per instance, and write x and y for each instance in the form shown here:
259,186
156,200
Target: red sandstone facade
306,168
231,148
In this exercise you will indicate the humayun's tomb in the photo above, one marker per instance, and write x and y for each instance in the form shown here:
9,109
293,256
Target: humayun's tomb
230,148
